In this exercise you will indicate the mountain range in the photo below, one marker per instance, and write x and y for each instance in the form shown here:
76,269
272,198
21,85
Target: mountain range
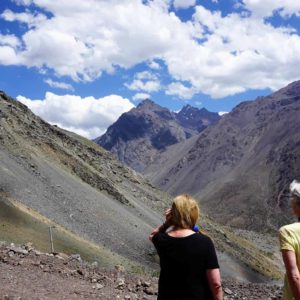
242,166
139,135
239,167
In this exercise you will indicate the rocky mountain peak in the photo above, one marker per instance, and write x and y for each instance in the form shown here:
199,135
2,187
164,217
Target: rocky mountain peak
151,112
195,118
148,129
148,104
204,110
187,109
291,90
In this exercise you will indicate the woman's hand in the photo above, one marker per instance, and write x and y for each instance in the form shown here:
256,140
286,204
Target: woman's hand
153,233
168,215
163,227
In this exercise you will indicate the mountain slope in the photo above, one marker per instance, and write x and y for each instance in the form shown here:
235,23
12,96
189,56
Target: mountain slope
22,224
139,135
75,183
241,167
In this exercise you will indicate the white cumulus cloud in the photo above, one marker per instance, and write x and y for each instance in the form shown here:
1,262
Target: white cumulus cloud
145,75
87,116
82,39
9,40
8,56
184,3
236,54
59,85
180,90
144,81
147,86
140,96
267,8
219,55
25,17
154,65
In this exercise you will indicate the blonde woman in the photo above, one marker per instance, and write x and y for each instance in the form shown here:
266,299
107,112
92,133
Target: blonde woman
188,260
289,237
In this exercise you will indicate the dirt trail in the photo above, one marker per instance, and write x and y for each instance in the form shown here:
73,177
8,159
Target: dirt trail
25,273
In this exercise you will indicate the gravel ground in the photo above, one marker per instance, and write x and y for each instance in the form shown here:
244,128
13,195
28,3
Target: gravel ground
25,273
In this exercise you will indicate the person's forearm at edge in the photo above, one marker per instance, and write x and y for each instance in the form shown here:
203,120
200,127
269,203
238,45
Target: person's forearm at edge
292,272
294,281
214,281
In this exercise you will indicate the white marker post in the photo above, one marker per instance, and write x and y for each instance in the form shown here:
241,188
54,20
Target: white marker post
51,238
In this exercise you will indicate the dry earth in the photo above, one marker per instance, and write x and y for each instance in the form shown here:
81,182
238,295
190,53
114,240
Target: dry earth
26,273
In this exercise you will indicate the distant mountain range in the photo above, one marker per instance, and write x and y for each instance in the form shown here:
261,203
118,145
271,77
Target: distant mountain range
139,135
240,167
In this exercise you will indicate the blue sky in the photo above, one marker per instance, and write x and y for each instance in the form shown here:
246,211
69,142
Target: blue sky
80,64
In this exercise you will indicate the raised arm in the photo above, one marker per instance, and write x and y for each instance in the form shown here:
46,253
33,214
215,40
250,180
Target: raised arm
214,281
162,227
292,272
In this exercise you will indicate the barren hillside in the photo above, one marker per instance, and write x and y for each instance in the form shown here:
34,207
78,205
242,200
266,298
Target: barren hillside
241,167
75,183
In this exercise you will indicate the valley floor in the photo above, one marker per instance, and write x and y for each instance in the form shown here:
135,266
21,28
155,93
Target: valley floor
25,273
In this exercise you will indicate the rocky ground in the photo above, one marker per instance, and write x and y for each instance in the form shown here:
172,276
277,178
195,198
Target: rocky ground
26,273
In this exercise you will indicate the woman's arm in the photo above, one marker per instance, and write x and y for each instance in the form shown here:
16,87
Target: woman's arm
162,227
154,232
292,272
214,281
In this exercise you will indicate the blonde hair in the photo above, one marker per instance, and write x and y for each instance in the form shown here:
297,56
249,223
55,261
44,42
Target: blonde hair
184,212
